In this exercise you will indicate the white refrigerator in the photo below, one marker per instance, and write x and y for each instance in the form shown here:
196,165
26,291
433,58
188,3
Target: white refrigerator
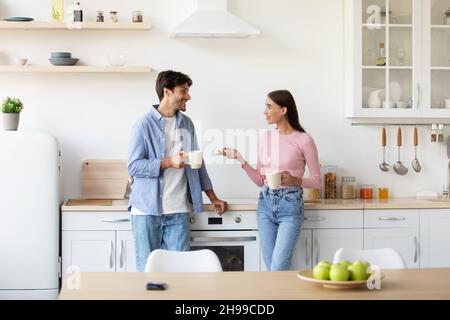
29,216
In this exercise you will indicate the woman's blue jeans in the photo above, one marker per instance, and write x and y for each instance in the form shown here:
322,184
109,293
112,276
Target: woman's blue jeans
280,219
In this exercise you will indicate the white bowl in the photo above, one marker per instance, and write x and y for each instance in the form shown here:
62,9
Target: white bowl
20,61
116,59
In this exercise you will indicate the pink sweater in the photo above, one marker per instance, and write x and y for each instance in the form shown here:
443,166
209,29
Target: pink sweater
286,153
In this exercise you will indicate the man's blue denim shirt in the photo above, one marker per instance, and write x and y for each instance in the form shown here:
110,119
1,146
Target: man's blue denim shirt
147,150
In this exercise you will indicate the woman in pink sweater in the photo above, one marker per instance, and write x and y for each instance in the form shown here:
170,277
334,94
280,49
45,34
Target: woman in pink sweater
287,149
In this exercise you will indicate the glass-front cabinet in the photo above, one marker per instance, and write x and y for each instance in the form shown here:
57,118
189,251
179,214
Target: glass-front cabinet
397,58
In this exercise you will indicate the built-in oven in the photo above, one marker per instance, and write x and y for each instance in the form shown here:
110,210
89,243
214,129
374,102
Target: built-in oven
233,237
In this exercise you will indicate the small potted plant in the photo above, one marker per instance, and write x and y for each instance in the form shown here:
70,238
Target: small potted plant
11,108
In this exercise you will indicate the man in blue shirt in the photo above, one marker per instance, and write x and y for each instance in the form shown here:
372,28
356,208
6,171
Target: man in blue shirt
165,190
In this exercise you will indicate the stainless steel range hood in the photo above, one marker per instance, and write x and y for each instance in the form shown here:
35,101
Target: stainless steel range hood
212,20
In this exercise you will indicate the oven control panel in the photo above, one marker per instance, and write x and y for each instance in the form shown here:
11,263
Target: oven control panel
233,220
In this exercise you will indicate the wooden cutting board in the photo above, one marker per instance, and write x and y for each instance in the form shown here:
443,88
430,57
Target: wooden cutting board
103,179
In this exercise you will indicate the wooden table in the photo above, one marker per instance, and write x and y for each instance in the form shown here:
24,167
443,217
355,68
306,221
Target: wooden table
422,284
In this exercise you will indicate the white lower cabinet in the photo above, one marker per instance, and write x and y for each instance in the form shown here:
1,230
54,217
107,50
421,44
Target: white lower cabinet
435,238
394,228
97,242
327,241
88,251
125,258
404,241
325,231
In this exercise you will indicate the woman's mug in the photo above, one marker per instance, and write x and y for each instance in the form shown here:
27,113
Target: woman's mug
194,159
274,180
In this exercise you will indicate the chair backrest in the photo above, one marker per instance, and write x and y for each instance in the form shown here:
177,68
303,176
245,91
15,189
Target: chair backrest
203,260
386,258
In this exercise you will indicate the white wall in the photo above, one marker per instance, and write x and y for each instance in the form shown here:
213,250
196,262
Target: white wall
300,49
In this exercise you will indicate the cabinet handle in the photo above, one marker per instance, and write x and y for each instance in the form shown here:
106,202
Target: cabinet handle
315,219
307,253
316,251
419,95
391,218
111,249
115,220
121,254
416,249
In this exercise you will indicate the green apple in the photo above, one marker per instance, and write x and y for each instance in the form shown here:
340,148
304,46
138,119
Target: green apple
324,263
345,263
339,272
358,271
321,272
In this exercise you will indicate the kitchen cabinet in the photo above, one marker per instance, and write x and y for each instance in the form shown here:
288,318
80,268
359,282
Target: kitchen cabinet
97,242
397,229
434,238
324,232
415,79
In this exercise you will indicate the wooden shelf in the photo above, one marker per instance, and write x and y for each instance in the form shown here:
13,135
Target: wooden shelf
374,67
74,69
443,26
441,68
39,25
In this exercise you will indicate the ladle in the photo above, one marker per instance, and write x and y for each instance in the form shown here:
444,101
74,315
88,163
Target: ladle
399,167
416,164
384,166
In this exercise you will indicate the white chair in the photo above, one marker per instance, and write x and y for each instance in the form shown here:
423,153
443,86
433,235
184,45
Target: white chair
386,258
183,261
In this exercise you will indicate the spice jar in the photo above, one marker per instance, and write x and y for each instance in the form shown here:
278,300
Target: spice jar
100,17
383,193
366,191
138,16
348,188
113,16
330,190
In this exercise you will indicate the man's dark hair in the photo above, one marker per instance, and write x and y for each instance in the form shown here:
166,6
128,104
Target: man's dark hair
170,79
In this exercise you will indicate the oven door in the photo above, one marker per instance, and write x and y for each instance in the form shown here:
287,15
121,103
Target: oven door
237,250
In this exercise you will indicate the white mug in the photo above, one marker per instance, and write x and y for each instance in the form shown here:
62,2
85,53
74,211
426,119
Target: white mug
447,103
195,159
274,180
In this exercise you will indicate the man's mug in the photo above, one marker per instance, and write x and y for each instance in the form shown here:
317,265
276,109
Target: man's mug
194,159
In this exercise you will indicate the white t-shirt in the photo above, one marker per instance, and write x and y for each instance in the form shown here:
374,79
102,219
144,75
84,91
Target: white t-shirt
175,180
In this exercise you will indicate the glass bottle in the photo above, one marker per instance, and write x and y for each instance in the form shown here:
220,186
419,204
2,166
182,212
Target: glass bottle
440,133
138,16
100,17
330,188
447,17
433,132
381,60
348,188
77,13
113,16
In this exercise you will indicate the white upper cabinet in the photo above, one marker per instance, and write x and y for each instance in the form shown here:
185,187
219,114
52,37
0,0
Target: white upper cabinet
397,59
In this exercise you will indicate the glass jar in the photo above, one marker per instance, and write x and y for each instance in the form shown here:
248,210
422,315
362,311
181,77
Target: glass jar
100,17
366,192
383,193
348,188
138,16
313,194
330,190
113,16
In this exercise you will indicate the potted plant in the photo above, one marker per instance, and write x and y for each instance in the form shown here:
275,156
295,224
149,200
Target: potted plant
11,108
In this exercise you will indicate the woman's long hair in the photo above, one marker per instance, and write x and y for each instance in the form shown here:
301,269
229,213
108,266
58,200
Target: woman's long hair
285,99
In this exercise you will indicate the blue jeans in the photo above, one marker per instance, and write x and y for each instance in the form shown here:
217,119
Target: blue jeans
169,232
280,218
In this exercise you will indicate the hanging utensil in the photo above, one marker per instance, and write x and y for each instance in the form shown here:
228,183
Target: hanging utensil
416,164
399,167
384,166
